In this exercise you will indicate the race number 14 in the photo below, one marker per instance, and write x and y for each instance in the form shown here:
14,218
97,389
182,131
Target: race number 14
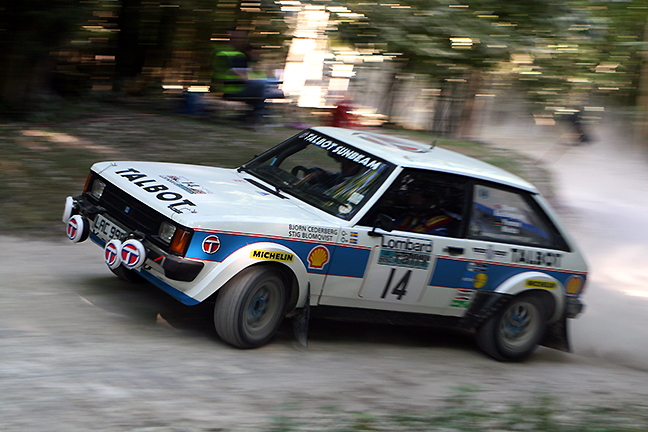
400,288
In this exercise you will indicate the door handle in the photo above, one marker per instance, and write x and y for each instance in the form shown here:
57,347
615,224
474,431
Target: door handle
454,250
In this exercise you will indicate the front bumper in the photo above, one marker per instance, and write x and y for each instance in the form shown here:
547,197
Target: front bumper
172,266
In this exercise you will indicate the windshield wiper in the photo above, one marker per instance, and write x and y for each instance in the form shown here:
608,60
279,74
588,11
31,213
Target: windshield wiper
265,188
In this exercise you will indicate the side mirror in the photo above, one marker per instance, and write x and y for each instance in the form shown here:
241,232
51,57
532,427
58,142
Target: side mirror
383,222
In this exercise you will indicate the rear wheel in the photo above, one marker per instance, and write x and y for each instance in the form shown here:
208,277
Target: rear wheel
514,333
250,307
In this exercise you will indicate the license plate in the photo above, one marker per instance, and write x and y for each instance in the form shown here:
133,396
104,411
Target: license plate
107,230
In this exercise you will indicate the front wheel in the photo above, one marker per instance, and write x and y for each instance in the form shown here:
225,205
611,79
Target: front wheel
250,307
514,333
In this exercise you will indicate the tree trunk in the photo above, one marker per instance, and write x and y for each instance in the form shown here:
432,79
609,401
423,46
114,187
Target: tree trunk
466,118
31,30
130,56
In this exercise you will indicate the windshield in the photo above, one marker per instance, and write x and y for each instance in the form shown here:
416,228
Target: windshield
326,173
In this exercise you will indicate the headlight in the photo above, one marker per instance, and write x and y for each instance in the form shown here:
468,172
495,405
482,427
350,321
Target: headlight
97,188
166,232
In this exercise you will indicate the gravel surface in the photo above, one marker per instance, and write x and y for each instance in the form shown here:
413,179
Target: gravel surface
82,350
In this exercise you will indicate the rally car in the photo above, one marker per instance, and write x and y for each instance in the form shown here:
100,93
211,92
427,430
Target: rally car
347,225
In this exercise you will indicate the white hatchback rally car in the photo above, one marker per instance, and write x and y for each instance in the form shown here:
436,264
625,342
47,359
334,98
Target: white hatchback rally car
347,225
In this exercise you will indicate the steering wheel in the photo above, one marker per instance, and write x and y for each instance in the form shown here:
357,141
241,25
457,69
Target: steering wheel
298,168
312,176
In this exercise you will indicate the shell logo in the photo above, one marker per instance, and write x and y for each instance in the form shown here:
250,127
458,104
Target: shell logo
480,280
318,257
574,285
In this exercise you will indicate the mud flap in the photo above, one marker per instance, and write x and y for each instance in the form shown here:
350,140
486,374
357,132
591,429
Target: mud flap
556,335
300,322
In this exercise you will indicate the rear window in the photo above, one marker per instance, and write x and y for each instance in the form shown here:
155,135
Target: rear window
510,217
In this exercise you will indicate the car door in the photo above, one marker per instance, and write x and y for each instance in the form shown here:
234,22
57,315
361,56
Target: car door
425,211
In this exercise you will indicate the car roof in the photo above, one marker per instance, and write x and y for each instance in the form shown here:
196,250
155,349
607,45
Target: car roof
412,154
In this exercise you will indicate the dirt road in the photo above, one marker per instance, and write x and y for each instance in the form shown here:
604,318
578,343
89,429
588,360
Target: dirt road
81,350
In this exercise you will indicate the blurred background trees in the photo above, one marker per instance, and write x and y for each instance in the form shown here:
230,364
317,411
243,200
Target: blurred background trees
450,59
30,31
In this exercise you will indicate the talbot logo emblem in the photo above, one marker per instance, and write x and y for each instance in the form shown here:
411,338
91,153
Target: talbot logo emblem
130,255
211,244
72,229
111,254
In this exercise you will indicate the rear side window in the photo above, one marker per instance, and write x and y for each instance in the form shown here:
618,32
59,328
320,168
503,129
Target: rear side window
510,217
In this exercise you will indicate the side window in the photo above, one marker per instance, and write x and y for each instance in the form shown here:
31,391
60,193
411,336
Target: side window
510,217
423,202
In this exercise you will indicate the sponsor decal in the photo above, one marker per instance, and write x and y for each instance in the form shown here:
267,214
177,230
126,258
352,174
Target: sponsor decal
272,256
476,281
345,209
509,226
573,285
342,151
462,298
480,280
535,283
186,184
477,268
537,258
356,198
483,193
490,253
318,257
510,218
405,252
308,232
177,202
211,244
507,212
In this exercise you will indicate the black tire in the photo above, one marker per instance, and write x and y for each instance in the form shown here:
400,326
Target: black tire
128,275
514,333
250,308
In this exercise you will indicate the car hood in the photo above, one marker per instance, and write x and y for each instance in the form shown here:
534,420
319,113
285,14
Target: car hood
196,196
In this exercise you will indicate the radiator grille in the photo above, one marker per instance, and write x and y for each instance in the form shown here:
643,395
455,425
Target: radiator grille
129,211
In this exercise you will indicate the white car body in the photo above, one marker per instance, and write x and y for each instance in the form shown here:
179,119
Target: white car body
335,259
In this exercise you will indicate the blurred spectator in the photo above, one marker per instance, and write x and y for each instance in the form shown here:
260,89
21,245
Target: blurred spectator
576,121
342,116
234,76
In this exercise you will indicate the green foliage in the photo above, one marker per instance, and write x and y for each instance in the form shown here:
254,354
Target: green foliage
559,52
435,36
466,411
